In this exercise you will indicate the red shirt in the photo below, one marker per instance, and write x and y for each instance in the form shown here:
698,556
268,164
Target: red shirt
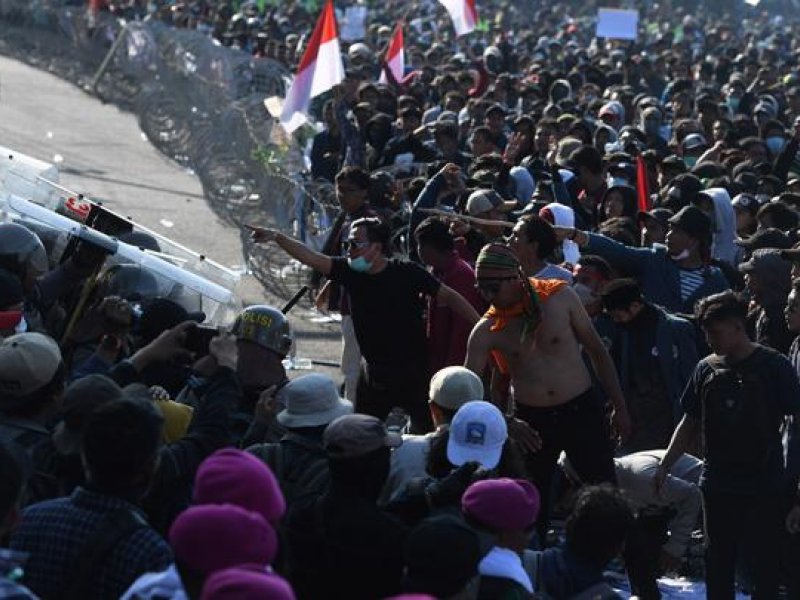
447,332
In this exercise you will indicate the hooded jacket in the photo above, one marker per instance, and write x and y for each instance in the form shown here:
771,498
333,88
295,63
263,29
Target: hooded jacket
724,246
629,199
657,273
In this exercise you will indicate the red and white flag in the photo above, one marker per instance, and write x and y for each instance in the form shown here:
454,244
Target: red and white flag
463,13
320,69
395,56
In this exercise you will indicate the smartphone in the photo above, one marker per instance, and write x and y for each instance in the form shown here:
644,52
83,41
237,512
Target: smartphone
199,338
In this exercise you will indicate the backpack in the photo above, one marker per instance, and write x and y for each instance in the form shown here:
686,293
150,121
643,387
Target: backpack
300,466
738,416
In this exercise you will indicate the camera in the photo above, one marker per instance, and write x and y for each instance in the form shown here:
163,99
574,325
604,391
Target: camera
199,338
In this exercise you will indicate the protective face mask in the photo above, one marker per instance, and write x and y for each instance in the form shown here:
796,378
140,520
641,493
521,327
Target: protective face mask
690,161
359,264
22,326
682,256
733,103
775,144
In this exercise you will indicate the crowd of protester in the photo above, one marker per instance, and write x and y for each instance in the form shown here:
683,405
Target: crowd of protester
568,271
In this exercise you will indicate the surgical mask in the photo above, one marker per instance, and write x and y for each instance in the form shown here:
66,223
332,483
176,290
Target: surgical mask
682,256
22,326
775,144
359,264
690,161
733,103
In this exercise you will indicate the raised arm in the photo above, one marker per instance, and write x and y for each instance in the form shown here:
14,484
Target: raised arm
294,248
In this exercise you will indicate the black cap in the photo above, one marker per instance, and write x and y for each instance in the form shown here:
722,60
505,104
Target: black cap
659,215
766,238
162,314
693,221
619,294
496,107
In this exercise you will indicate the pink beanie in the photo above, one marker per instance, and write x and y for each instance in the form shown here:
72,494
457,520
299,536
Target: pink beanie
242,583
230,476
207,538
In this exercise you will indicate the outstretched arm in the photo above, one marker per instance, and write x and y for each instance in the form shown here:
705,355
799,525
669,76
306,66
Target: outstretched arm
294,248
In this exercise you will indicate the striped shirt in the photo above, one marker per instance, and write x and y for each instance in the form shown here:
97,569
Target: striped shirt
691,280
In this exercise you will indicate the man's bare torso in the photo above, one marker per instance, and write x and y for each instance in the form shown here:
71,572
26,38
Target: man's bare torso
546,369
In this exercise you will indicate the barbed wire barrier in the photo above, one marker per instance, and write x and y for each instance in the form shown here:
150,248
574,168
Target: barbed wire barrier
198,103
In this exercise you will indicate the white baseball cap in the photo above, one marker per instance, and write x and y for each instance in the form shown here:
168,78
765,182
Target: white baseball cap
477,433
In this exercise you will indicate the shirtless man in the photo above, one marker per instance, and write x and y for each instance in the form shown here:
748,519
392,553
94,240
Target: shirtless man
535,339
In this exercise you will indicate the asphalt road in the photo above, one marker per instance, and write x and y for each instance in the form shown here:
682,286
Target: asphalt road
101,152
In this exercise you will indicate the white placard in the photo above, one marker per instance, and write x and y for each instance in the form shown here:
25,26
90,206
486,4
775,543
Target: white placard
353,24
617,24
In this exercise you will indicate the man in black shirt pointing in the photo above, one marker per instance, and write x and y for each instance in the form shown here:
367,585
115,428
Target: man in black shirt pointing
387,298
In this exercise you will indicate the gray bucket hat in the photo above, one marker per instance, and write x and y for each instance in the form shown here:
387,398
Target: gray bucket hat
311,401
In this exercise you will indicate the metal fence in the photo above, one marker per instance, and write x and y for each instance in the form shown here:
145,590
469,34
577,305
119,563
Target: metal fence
200,104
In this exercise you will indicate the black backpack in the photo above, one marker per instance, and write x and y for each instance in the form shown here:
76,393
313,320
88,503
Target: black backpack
300,465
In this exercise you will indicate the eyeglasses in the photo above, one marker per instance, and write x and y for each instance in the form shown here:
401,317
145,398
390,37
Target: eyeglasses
354,245
491,285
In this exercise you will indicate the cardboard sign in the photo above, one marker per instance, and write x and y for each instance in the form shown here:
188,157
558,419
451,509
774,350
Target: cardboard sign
617,24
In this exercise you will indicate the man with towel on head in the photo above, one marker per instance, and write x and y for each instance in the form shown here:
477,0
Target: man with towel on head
533,334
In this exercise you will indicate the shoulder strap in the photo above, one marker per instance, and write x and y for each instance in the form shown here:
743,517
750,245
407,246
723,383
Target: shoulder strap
96,550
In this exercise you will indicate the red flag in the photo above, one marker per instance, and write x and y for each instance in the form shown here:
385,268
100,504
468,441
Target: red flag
463,14
642,187
395,59
320,69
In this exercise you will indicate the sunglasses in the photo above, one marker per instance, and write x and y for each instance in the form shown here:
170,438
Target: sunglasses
492,285
354,245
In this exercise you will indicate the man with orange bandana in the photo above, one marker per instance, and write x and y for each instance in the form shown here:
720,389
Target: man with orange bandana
534,334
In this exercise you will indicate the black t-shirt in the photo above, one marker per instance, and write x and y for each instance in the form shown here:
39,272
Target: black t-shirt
388,310
742,407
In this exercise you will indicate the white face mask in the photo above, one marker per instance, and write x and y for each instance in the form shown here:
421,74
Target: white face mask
22,326
681,256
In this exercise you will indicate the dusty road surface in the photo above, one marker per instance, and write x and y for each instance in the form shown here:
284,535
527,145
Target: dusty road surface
101,152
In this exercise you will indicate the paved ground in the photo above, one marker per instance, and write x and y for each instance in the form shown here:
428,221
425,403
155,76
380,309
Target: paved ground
100,151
